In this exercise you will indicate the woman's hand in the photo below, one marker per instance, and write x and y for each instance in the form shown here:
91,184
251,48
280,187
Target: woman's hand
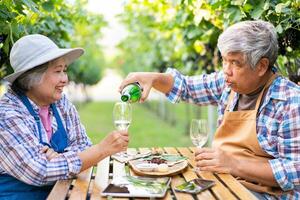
214,160
50,153
115,142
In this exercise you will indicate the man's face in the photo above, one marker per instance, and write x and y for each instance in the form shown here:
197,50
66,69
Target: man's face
239,76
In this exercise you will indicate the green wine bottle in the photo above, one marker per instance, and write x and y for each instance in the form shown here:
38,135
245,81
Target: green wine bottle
131,93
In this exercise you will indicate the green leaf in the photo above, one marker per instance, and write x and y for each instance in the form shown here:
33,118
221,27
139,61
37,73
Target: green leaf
234,14
258,10
19,7
279,28
48,6
199,47
212,2
31,5
6,45
217,4
193,33
267,5
51,25
282,7
237,2
5,14
289,49
247,7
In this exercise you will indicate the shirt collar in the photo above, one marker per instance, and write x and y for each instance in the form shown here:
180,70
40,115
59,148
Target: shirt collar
277,89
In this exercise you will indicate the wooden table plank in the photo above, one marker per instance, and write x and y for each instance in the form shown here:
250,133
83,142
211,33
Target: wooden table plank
142,150
101,179
175,180
168,194
189,174
119,170
81,185
219,189
241,191
227,187
60,190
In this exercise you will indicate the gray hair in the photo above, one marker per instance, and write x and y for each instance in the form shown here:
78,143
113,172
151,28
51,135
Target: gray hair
256,39
30,78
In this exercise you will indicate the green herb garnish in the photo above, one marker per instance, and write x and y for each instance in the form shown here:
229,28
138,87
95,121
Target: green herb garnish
154,186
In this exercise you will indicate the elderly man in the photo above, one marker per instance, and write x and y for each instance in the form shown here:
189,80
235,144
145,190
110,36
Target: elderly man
258,134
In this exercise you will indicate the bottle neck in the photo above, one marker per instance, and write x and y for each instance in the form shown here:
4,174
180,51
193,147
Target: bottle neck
131,93
125,96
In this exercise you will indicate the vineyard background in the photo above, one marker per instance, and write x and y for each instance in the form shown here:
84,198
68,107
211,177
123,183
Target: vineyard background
160,34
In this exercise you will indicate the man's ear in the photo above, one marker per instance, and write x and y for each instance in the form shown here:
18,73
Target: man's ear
262,66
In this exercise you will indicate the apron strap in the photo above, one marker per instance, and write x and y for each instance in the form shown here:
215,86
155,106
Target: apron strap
231,95
36,117
59,140
270,81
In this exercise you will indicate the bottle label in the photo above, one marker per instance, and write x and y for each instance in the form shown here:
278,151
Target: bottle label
131,93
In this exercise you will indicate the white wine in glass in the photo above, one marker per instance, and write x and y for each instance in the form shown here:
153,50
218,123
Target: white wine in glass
122,124
122,115
122,118
199,132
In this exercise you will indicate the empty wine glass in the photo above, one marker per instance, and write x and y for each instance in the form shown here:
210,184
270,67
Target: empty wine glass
199,132
122,115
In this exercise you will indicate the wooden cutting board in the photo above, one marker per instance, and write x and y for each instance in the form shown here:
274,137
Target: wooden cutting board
172,170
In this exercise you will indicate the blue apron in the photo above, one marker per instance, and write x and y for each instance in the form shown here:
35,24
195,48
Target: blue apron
14,189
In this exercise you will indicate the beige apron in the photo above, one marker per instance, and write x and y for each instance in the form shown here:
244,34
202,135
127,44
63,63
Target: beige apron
237,135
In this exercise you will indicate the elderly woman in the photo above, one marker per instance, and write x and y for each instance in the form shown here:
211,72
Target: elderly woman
41,137
258,134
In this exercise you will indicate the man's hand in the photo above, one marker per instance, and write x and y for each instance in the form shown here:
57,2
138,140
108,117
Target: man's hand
145,80
50,153
160,81
214,160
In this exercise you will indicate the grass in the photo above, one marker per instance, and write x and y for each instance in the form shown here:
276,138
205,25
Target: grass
146,129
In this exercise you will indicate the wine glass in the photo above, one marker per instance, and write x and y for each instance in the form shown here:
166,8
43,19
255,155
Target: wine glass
122,114
199,132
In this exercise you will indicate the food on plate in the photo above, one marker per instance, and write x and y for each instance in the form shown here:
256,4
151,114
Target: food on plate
163,168
157,160
147,167
169,159
159,164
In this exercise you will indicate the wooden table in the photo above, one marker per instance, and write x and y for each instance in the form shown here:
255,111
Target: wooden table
90,183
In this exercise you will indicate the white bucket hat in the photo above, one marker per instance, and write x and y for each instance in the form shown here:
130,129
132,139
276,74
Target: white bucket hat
33,50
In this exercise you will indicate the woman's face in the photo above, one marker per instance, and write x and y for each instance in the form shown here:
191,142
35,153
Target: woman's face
51,85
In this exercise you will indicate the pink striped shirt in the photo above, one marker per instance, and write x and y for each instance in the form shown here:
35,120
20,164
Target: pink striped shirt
46,120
